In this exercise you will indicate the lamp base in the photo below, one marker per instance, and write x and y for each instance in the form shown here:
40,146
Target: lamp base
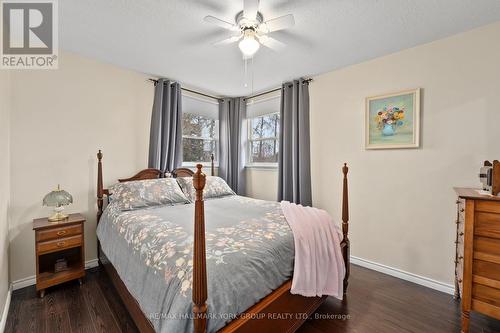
58,217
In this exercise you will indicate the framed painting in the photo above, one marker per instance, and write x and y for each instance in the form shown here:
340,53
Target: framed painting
393,120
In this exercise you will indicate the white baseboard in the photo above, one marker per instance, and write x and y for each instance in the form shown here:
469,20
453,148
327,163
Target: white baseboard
31,280
400,274
421,280
5,312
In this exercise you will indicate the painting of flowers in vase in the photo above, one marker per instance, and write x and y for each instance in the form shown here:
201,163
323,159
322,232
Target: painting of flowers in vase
393,120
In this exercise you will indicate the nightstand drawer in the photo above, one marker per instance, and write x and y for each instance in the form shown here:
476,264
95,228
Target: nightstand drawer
59,244
61,232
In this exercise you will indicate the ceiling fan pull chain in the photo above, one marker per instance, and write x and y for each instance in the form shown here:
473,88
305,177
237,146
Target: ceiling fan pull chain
252,72
246,73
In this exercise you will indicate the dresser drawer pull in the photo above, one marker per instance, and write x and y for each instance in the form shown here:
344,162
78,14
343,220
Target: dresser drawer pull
462,210
61,233
459,280
460,258
458,221
461,234
61,244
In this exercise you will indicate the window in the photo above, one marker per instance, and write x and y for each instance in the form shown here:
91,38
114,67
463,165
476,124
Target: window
263,130
264,138
200,130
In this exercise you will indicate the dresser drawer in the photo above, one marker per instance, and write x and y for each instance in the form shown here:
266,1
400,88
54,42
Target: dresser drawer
59,244
485,269
61,232
486,294
487,249
487,224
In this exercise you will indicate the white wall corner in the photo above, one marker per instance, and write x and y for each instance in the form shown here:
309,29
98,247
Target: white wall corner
403,275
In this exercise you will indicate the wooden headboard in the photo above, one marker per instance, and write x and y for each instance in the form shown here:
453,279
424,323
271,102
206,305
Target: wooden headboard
149,173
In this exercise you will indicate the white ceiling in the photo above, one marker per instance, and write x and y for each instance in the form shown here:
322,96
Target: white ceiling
169,38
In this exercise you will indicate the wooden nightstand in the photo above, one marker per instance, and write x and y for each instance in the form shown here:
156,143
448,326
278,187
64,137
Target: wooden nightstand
59,240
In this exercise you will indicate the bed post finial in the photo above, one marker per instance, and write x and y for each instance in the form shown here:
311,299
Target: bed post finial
212,164
199,256
345,244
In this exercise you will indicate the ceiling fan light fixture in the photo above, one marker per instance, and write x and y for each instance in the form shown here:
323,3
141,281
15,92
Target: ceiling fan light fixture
249,45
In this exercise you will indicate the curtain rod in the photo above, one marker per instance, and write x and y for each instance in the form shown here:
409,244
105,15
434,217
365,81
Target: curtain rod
220,99
192,91
273,90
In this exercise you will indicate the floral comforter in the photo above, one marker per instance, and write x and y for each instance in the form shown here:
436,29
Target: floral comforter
250,253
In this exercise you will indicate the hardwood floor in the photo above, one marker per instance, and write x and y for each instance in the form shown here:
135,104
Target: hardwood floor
376,303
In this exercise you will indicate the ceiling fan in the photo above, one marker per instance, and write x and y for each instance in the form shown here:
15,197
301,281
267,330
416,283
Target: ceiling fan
251,29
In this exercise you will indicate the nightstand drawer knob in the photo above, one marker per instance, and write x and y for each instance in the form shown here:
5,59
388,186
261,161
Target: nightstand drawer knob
61,233
61,244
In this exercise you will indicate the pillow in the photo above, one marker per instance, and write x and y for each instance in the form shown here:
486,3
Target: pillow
147,193
215,187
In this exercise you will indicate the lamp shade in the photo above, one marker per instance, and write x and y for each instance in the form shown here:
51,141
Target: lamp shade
57,198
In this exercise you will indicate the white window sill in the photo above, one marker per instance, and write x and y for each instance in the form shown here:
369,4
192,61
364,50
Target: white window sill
263,166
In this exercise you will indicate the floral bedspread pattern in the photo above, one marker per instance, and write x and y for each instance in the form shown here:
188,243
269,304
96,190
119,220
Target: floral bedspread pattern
249,249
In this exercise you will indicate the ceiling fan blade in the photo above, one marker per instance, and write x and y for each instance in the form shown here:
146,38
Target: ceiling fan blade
221,23
271,43
250,8
227,41
276,24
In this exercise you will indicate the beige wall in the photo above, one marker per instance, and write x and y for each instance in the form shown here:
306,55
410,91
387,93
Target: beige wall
262,183
401,201
59,120
4,185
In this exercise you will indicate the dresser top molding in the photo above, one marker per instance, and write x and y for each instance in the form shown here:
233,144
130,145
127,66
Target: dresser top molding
473,194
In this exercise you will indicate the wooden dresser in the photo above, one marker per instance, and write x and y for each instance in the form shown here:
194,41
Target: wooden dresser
477,262
55,241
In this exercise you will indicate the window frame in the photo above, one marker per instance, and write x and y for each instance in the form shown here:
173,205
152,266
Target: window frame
250,163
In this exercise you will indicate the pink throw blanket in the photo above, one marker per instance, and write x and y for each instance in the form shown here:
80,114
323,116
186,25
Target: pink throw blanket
319,266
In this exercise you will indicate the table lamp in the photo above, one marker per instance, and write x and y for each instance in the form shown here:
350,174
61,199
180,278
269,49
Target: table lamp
57,199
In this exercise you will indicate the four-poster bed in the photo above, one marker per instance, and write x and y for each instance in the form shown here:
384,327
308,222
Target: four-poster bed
258,317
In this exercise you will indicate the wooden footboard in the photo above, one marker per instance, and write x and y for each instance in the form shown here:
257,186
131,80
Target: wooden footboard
260,317
269,315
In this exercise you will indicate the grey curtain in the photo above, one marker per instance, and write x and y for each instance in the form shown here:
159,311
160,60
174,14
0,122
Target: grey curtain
294,182
165,138
232,113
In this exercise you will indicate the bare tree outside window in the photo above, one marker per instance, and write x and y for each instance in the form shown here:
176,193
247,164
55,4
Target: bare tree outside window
199,138
264,138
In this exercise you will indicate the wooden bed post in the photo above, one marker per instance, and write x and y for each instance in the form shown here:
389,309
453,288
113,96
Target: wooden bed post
100,189
212,164
100,195
199,256
345,244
